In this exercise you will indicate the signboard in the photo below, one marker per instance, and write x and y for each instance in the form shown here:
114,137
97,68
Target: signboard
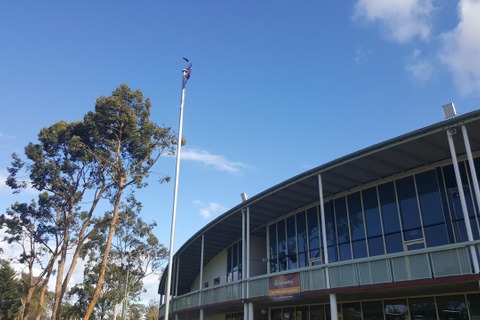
284,287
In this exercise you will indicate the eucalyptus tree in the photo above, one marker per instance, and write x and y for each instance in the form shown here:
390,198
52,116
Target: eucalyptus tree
136,253
77,165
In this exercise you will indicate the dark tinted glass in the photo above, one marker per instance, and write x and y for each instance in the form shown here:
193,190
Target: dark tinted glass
372,213
389,210
474,304
351,311
302,239
375,246
422,308
433,215
291,243
372,310
313,232
409,213
390,218
452,308
455,203
343,233
282,246
396,309
273,247
355,213
331,231
317,313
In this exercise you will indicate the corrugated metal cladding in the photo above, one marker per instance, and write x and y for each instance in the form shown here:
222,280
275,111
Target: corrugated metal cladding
411,151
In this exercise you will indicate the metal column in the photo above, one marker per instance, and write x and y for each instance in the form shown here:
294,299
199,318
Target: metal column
468,226
332,296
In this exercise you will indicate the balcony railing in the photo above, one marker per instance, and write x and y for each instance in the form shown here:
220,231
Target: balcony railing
428,263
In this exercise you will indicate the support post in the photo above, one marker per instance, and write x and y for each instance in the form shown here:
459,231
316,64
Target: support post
468,226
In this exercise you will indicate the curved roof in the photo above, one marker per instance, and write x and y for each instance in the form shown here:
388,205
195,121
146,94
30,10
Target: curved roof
417,149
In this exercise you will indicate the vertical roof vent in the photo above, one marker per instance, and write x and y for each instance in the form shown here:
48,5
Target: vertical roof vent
449,111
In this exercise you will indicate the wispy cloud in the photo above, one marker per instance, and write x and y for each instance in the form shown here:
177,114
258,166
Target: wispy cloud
209,210
419,68
461,48
400,20
218,162
6,136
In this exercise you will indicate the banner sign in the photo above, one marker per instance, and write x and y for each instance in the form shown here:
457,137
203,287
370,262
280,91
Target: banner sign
284,287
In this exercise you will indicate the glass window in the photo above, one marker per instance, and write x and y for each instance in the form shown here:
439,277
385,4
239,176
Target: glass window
276,314
422,309
313,233
292,243
343,232
443,195
240,257
301,313
235,262
351,311
455,203
288,314
373,222
390,218
331,231
317,313
229,265
432,210
272,230
452,308
396,309
357,225
473,301
409,213
372,310
282,246
302,240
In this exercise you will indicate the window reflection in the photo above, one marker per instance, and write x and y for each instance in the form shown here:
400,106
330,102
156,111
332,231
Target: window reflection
396,310
423,309
410,213
452,308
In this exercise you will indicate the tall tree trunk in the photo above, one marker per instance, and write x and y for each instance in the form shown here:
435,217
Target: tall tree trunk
43,288
61,266
28,300
81,240
103,265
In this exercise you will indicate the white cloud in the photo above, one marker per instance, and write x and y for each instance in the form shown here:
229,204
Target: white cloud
3,178
218,162
420,69
401,20
461,48
209,210
150,284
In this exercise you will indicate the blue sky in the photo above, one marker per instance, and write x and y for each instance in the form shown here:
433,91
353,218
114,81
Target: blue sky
277,88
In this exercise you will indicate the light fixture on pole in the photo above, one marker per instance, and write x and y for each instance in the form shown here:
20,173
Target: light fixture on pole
185,76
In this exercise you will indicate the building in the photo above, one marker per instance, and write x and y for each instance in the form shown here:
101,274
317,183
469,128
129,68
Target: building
388,232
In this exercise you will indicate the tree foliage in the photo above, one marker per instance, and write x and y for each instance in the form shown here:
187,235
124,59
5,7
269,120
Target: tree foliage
10,291
136,253
76,167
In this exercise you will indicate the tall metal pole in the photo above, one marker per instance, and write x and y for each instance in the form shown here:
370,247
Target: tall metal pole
185,77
